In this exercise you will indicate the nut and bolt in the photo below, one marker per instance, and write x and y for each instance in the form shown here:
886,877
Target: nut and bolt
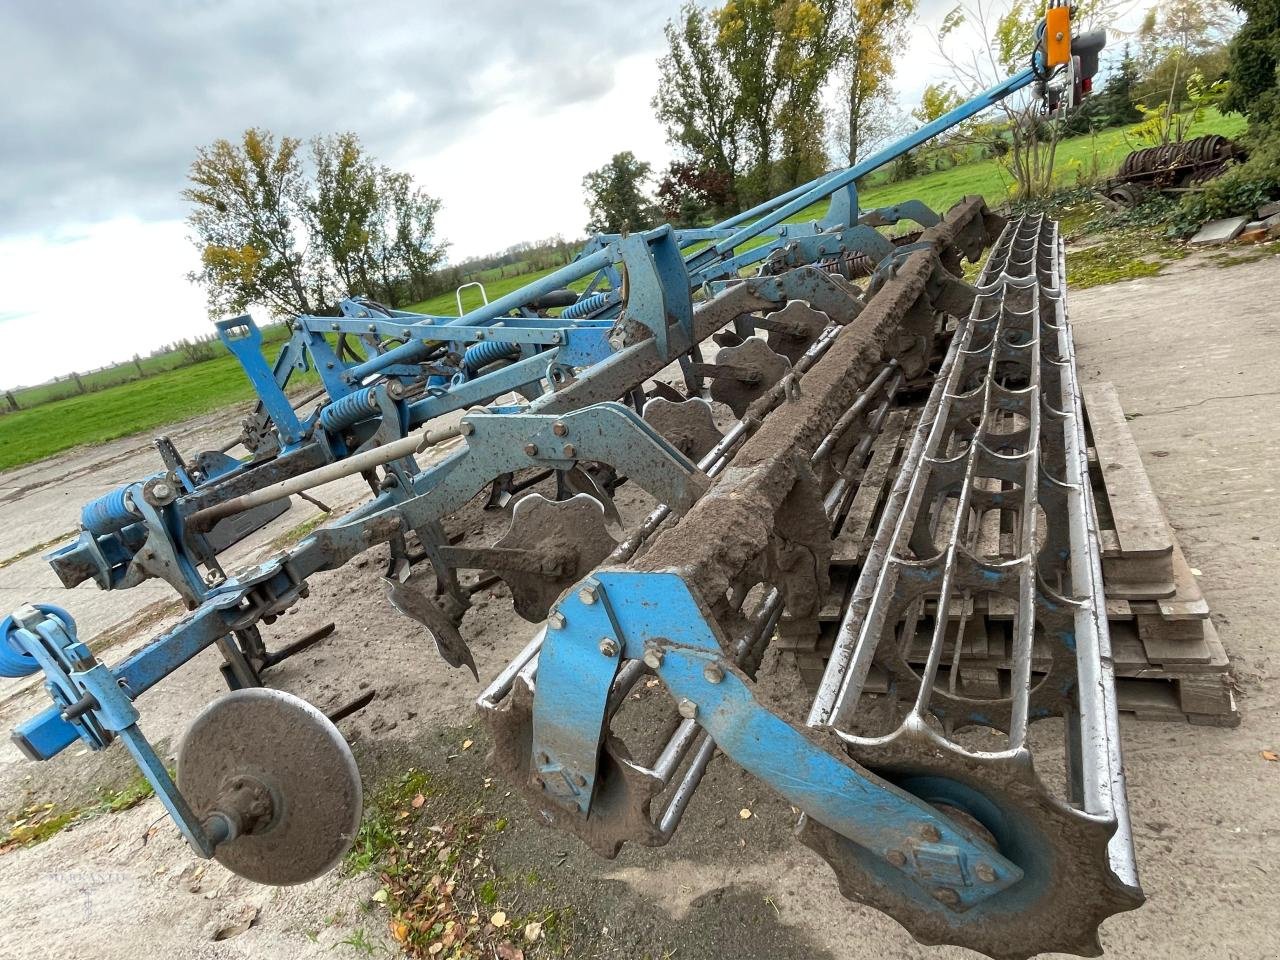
687,709
467,429
947,896
713,673
579,779
373,328
556,620
544,758
333,326
587,596
896,858
570,450
559,428
930,833
609,647
653,658
531,449
985,872
539,782
162,490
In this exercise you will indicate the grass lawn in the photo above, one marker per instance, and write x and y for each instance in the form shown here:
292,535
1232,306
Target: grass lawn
172,394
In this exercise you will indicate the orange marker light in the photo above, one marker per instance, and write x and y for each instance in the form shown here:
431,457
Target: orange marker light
1057,36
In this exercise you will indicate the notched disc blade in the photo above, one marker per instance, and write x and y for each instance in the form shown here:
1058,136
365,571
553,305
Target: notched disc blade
689,425
763,369
571,538
298,755
806,323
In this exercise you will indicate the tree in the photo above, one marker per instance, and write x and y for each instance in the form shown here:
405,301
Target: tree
1181,39
689,192
248,200
697,94
740,86
616,195
272,233
873,33
1254,70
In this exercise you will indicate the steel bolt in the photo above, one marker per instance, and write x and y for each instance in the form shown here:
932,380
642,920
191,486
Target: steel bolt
559,428
373,328
930,833
896,858
653,658
162,491
531,449
544,758
468,429
985,872
687,708
333,326
946,895
587,595
579,779
713,673
609,647
556,620
570,450
539,782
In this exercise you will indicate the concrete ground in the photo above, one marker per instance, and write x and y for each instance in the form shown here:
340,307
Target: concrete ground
1194,353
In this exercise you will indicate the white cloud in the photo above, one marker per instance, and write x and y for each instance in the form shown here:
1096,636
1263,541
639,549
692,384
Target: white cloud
92,294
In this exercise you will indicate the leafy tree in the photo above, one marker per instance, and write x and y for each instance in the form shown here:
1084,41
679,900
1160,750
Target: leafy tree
938,99
271,232
1179,39
873,33
617,197
1254,70
740,88
248,199
697,94
689,192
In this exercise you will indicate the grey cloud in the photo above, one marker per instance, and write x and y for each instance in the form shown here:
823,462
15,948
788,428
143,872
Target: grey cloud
105,103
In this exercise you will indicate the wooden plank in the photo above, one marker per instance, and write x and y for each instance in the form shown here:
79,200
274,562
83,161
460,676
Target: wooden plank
1139,522
1187,602
847,548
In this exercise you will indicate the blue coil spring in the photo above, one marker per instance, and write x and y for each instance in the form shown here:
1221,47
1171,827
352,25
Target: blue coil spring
575,311
108,513
349,410
15,662
480,355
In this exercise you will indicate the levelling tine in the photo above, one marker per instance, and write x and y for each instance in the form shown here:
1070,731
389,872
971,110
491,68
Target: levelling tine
302,643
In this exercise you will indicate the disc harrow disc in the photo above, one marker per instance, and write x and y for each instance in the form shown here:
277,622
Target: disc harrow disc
752,369
293,751
689,425
571,538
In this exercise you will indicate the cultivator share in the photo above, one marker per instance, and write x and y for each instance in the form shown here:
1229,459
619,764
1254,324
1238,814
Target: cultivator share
925,798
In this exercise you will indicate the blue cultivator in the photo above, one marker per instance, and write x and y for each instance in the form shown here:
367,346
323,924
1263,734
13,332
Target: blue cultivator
955,837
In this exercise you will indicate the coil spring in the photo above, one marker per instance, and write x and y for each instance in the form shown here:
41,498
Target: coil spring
576,311
480,355
107,514
349,410
16,662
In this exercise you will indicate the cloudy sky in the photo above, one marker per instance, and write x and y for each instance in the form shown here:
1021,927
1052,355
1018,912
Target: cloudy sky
496,106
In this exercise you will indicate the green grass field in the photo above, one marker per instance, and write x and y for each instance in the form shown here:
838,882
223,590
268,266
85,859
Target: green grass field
172,394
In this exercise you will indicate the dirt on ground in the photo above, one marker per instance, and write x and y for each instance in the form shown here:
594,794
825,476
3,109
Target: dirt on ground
1193,353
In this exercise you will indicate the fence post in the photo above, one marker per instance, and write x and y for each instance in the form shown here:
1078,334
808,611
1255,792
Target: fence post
13,401
79,382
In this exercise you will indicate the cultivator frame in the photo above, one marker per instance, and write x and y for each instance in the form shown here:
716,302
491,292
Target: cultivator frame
740,536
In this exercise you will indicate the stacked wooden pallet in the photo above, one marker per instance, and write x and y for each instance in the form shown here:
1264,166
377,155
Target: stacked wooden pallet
1169,661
